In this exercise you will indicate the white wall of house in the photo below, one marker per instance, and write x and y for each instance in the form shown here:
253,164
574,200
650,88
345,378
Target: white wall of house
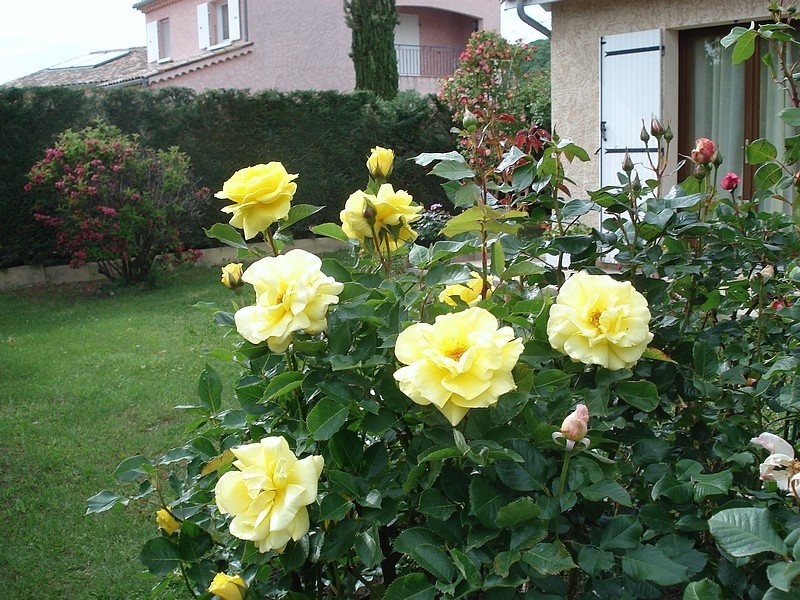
579,25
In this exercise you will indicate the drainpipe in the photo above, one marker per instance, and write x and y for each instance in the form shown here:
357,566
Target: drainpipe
530,21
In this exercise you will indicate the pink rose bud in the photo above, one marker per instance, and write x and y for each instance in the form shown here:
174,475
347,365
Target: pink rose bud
703,151
576,425
730,182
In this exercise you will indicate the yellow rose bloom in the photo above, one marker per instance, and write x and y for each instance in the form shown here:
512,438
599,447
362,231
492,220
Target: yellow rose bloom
461,361
388,208
469,292
268,493
227,587
232,276
292,294
166,521
380,162
261,195
597,320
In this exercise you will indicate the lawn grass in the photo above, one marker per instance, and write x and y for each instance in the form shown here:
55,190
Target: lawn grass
88,379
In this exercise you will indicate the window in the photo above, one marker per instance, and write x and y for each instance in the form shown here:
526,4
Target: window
159,47
217,23
730,104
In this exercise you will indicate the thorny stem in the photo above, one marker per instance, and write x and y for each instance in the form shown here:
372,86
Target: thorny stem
271,241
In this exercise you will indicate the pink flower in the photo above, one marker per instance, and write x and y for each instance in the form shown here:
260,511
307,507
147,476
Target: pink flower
703,151
730,182
574,428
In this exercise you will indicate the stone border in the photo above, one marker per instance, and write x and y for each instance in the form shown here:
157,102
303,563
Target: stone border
29,276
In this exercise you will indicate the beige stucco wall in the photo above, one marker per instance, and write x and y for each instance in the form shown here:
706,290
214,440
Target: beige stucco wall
577,27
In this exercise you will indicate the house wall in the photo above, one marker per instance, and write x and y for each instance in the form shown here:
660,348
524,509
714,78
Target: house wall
279,58
577,27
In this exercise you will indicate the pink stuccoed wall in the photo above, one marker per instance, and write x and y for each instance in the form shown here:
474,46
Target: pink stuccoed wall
303,47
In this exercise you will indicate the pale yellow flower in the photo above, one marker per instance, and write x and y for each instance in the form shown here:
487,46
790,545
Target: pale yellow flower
167,522
227,587
232,276
268,493
366,214
461,361
261,194
380,162
292,294
599,321
469,292
574,428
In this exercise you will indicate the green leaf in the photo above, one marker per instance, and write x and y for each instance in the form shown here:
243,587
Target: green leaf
510,158
745,47
452,170
298,212
518,512
436,506
426,158
781,575
414,586
426,549
594,561
522,269
549,558
283,383
485,501
209,389
133,468
745,532
621,533
768,175
330,230
334,507
704,589
368,547
193,542
648,563
160,556
790,116
326,418
295,554
705,360
606,488
104,501
712,484
760,151
639,394
339,539
227,235
466,195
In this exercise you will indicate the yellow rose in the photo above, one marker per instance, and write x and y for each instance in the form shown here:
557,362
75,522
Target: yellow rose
365,215
232,276
469,292
292,294
460,362
599,321
269,492
166,521
261,195
380,162
227,587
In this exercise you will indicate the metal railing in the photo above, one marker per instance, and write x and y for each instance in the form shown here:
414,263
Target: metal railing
426,61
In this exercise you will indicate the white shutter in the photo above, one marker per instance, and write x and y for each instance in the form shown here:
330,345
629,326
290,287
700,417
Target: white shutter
203,29
630,90
152,41
234,24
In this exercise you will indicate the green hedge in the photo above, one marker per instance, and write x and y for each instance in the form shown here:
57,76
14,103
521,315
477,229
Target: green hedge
324,136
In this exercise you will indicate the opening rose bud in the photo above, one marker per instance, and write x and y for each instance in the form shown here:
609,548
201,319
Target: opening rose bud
730,182
574,428
703,151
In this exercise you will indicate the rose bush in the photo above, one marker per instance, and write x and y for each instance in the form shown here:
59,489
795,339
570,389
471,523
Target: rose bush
447,450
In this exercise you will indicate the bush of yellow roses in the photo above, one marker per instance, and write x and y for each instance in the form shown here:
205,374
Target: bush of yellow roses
473,420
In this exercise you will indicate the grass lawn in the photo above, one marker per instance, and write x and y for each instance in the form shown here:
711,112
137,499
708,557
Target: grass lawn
88,379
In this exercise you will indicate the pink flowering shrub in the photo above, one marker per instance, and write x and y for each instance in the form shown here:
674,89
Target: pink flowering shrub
111,200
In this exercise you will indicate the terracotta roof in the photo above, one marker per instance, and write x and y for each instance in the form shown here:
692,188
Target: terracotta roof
105,68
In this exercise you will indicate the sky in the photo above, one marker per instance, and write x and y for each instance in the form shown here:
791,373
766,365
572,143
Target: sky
65,29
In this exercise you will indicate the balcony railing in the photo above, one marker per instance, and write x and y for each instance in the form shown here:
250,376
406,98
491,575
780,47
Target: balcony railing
426,61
